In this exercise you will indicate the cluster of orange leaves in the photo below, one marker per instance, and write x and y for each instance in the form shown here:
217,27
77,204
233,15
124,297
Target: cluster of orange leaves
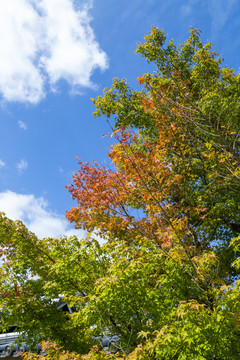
142,179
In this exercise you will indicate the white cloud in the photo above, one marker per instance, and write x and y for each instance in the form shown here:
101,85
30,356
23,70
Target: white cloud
20,79
73,52
35,215
2,164
22,125
43,41
22,165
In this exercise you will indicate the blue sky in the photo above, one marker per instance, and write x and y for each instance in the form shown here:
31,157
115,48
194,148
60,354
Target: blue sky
56,55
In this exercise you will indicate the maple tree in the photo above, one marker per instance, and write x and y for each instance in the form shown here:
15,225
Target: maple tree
165,281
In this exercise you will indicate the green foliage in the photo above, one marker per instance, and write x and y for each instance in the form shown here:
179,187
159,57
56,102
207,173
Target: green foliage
126,105
191,110
35,272
166,280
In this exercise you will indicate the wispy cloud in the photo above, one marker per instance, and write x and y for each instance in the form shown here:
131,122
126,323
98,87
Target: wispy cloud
43,41
22,165
220,11
186,10
22,125
2,164
36,215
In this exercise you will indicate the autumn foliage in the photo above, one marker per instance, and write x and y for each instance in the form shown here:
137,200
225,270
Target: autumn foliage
166,279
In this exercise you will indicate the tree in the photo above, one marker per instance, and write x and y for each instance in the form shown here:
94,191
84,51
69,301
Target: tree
165,281
35,273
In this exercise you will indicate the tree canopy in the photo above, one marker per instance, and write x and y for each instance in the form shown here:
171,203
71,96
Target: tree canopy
166,279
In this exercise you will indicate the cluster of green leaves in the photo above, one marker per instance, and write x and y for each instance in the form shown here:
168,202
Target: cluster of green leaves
151,297
34,273
166,280
191,112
